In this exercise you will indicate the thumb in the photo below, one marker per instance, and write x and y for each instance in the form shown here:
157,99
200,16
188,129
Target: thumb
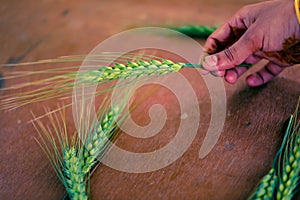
233,55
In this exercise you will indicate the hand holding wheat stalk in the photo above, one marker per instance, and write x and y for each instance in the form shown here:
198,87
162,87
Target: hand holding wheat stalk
128,65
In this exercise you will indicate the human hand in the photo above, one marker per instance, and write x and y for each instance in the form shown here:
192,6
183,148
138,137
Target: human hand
267,30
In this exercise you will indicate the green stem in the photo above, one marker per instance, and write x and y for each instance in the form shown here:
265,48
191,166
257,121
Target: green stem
201,67
195,31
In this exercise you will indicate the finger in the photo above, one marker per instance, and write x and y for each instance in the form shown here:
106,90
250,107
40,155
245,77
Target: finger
233,74
212,45
223,37
227,33
234,55
253,59
264,75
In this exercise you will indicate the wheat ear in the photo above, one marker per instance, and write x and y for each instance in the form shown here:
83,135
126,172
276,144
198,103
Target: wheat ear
289,162
74,175
100,71
96,143
283,179
266,188
73,161
64,154
130,69
62,80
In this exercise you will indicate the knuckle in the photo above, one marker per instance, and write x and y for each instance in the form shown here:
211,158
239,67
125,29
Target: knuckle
243,11
245,15
231,55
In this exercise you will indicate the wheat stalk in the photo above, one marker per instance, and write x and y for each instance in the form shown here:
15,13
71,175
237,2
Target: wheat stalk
73,158
289,163
61,82
95,144
100,72
283,179
62,153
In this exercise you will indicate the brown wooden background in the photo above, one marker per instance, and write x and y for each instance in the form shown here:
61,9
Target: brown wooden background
33,30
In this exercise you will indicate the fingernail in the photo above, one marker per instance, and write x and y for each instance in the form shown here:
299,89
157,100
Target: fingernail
218,73
210,63
231,77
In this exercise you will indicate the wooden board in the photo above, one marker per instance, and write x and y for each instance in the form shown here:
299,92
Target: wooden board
250,138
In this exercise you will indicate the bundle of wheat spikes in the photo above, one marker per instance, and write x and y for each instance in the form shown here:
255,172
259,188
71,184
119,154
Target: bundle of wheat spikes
74,158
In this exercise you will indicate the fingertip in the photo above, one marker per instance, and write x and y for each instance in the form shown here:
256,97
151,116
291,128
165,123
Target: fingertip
231,76
254,80
209,63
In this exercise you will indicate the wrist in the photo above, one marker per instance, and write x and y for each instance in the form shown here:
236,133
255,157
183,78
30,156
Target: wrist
297,9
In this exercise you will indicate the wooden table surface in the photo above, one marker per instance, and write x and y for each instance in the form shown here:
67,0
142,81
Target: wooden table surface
34,30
